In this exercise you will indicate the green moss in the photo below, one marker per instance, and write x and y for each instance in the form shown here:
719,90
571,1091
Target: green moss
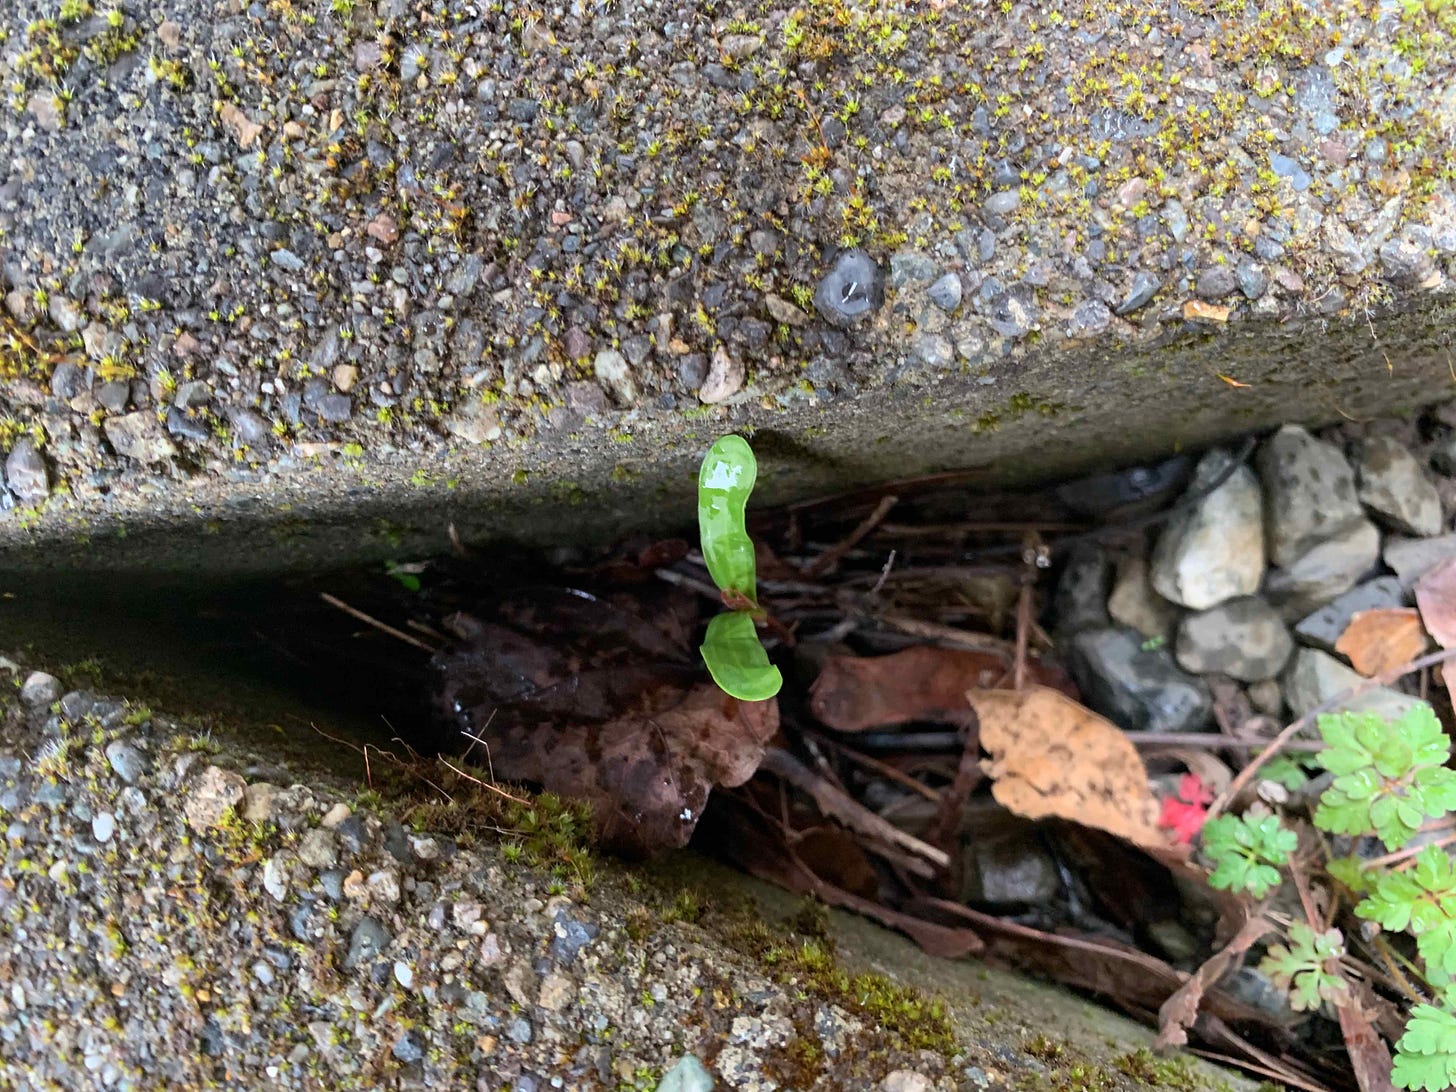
907,1018
1145,1067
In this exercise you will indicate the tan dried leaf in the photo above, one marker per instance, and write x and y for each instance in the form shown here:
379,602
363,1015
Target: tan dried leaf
1378,640
1052,756
1199,311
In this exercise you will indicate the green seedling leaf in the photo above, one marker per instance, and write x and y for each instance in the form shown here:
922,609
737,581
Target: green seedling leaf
405,574
1308,967
1390,775
724,482
736,659
1246,852
1420,900
1425,1056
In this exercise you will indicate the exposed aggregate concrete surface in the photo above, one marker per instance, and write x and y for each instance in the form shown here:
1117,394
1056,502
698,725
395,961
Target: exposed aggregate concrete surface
316,256
180,910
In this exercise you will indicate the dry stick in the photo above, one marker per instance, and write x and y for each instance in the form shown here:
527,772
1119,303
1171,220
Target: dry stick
926,530
699,586
1023,631
840,805
1278,743
1410,851
884,769
957,638
1214,741
831,557
483,784
884,574
333,601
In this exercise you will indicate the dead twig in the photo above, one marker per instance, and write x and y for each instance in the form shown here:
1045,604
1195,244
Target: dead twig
397,634
836,804
1279,742
1215,741
826,562
884,574
951,637
884,769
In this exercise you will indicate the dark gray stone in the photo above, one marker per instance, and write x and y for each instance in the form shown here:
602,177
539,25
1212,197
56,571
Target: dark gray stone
1253,281
1127,492
946,292
1136,685
1216,282
1309,492
1322,628
1325,572
911,267
369,939
1082,590
1144,286
129,763
1243,638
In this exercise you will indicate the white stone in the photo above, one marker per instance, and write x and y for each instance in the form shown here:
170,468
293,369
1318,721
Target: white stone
1215,550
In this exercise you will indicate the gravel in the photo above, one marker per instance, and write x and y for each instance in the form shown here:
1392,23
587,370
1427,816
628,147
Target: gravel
154,932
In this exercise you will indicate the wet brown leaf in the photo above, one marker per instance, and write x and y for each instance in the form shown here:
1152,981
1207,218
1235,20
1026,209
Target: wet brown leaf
1177,1013
647,773
854,693
587,699
1052,756
1378,640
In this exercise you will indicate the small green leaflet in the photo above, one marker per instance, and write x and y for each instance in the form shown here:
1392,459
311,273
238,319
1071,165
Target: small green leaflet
1425,1057
724,482
1390,775
1308,967
736,659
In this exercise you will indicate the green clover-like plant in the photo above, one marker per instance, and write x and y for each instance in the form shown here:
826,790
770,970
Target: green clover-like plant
1308,967
1390,776
1420,900
735,657
1425,1056
1246,852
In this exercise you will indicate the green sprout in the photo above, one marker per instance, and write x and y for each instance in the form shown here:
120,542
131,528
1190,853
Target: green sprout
1308,967
735,657
1390,776
1246,851
1420,900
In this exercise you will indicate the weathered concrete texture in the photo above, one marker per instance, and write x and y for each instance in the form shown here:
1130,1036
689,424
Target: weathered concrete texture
183,907
282,285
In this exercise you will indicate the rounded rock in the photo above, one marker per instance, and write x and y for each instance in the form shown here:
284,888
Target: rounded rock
853,288
1243,638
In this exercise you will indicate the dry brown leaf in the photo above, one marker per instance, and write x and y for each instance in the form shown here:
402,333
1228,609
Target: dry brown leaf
854,693
1199,311
1177,1013
1378,640
1436,596
1052,756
